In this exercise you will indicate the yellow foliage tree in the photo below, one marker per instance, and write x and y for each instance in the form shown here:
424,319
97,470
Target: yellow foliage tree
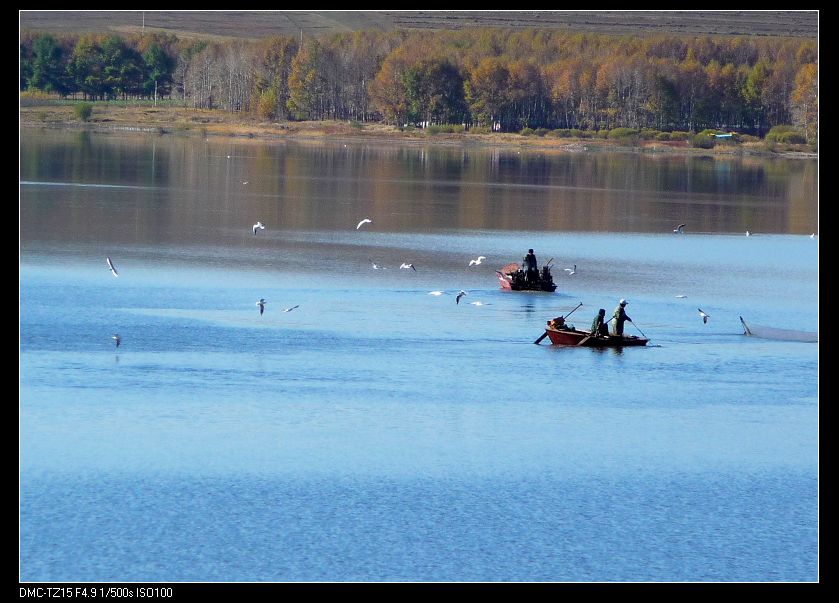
805,101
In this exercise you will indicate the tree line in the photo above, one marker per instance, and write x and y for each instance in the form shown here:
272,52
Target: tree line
504,79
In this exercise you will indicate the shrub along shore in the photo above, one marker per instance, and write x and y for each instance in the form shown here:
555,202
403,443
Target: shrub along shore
171,118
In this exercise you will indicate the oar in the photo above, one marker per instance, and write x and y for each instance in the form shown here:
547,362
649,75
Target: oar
639,330
572,311
545,334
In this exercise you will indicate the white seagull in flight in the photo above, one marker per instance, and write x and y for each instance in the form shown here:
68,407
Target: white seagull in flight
459,295
407,267
261,303
363,222
258,226
116,338
376,266
571,271
111,266
704,316
680,229
681,296
291,308
477,262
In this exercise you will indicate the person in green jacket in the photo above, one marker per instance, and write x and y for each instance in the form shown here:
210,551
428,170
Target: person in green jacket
599,326
620,317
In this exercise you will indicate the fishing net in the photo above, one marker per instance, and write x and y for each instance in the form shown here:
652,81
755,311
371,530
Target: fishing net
762,332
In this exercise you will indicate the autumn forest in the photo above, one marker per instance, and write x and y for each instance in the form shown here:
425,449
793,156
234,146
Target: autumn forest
495,79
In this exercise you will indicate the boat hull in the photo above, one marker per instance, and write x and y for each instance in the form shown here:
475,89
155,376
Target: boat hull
511,286
584,339
516,280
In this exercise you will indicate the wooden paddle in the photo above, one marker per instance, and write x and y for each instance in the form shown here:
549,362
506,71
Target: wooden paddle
640,331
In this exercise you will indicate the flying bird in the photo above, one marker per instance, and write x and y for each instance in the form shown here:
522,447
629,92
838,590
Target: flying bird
245,181
704,316
459,295
680,229
261,303
376,266
571,271
117,339
407,266
748,234
291,308
477,262
363,222
681,296
111,266
258,226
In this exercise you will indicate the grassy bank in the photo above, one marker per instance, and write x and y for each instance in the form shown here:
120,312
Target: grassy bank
170,118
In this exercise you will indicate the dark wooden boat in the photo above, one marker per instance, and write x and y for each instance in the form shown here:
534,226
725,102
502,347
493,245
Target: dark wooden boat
512,277
571,336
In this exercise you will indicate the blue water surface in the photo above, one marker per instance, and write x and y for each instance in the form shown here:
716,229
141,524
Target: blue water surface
381,433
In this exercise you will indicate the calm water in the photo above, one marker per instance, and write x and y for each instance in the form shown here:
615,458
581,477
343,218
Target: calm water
379,433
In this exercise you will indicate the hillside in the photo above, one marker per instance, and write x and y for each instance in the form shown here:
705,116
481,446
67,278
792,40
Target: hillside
260,24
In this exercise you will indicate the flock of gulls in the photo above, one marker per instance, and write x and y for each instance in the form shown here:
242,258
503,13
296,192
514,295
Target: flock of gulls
680,229
404,266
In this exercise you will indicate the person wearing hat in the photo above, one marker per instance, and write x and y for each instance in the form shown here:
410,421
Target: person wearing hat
530,267
599,326
620,317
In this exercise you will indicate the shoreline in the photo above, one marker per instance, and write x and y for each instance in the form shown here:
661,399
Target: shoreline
216,123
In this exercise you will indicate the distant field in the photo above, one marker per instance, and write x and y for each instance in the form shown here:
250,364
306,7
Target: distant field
256,24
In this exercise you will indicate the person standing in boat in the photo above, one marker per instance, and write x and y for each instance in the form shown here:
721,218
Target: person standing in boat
620,317
599,326
531,270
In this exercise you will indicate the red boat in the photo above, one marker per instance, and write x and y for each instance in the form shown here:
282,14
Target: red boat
571,336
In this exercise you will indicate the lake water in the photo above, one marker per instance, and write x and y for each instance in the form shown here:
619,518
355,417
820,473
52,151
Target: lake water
380,433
